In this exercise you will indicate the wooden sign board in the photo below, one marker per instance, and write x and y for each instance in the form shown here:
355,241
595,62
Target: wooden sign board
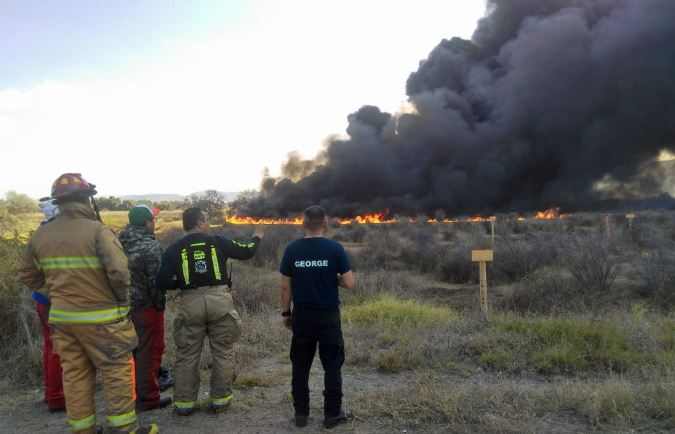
482,255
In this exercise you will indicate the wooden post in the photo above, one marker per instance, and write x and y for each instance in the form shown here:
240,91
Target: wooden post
607,226
630,217
482,257
493,219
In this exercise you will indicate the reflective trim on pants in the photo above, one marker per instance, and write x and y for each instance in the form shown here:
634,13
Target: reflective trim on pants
122,419
84,423
185,404
221,401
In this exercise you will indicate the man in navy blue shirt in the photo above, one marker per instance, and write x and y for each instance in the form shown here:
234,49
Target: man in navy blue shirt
311,269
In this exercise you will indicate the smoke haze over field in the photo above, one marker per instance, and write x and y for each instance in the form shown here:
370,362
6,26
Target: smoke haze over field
552,102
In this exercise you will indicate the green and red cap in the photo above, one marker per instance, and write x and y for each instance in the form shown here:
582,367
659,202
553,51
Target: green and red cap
140,214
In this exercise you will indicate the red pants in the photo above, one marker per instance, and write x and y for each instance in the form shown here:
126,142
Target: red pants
51,364
149,324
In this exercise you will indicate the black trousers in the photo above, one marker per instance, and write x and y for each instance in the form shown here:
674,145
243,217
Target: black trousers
312,326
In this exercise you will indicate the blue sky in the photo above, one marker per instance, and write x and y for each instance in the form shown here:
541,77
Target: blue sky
79,40
133,94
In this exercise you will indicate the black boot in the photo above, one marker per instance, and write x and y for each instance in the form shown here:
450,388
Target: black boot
300,420
164,378
342,417
163,402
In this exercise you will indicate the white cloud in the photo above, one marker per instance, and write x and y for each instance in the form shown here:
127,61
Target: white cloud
214,114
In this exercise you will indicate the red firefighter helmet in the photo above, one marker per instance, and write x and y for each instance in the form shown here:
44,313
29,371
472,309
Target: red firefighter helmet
70,184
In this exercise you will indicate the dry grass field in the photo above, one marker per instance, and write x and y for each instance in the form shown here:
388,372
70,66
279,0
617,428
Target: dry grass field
581,336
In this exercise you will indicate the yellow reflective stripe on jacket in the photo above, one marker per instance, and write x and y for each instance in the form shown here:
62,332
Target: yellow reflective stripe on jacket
80,424
70,262
216,266
245,245
122,419
185,404
222,401
57,316
186,266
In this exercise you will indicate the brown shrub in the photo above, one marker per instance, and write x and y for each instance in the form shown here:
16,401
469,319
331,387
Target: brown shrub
592,262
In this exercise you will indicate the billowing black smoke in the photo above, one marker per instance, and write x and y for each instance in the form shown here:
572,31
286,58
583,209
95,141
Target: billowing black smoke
552,102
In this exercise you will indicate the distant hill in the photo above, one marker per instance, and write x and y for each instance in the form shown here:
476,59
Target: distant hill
229,195
152,197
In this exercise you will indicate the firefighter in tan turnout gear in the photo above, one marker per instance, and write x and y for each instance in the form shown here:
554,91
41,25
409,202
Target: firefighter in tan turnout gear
82,264
199,262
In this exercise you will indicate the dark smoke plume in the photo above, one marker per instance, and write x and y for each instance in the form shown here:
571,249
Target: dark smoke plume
548,100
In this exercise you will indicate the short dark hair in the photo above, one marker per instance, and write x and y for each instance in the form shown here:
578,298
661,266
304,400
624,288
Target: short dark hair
314,217
84,198
192,217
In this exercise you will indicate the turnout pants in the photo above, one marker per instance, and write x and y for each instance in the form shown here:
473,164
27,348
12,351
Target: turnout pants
86,348
312,326
205,312
149,325
51,365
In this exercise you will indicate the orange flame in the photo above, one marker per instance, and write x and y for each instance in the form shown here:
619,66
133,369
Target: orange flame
236,220
374,218
381,218
549,214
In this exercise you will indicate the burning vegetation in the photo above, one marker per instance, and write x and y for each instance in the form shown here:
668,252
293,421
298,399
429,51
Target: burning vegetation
386,218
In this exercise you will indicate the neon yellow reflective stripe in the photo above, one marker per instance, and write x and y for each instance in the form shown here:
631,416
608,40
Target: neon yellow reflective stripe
222,401
216,266
70,262
122,419
57,316
185,404
81,424
37,264
198,244
186,266
247,245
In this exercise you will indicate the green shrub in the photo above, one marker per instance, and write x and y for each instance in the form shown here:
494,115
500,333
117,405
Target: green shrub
253,380
566,345
390,362
19,343
396,313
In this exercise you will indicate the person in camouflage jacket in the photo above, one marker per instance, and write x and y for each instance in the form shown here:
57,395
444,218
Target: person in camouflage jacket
147,303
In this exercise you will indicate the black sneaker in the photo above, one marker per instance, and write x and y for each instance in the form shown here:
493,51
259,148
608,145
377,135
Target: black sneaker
333,421
56,409
165,380
300,420
165,384
163,402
